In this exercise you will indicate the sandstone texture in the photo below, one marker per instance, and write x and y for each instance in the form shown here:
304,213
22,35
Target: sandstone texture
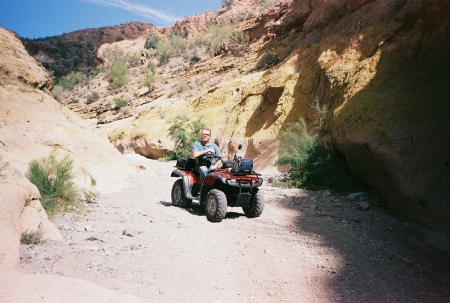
380,68
32,125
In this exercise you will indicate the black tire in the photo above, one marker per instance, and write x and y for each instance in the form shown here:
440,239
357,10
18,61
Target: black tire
178,197
256,206
215,205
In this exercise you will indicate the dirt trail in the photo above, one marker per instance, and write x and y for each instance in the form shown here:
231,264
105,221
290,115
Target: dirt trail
306,247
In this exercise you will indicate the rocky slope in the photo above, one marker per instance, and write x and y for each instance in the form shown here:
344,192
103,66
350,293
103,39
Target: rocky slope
32,125
379,67
78,50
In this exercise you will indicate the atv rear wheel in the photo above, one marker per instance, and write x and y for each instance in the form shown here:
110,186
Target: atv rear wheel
178,197
216,205
256,206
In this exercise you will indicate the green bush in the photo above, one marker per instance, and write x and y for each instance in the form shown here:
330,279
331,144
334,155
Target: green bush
133,59
120,102
91,98
312,165
71,80
227,3
118,75
151,41
32,237
195,59
149,80
164,51
55,180
184,133
114,55
152,67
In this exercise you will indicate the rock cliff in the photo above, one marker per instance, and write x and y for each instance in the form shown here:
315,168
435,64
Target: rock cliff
32,124
381,69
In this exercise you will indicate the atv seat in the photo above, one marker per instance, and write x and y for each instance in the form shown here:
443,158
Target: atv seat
186,163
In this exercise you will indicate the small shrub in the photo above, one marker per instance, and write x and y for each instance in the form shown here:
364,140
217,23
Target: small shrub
195,59
55,181
241,16
149,80
227,3
312,165
73,100
97,70
133,59
91,98
120,102
118,75
164,51
114,55
151,41
184,133
32,237
152,67
71,80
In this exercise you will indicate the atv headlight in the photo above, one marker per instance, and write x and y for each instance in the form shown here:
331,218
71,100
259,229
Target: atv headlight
231,181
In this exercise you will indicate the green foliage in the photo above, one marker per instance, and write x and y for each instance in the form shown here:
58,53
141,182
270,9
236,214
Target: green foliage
71,80
32,237
97,70
133,59
312,165
239,37
149,80
151,41
152,67
55,180
184,133
114,55
91,98
164,51
120,102
118,75
195,59
227,3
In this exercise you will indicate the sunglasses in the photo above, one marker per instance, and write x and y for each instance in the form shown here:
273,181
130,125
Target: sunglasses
206,134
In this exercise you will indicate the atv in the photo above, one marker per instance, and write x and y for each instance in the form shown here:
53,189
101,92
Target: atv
234,185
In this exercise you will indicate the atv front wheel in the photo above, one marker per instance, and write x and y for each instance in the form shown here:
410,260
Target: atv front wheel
256,206
216,205
178,197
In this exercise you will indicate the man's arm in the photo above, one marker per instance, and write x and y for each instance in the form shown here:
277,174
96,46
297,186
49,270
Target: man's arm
216,165
198,153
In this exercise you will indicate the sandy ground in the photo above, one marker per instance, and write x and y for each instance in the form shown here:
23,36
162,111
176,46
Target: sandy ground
308,246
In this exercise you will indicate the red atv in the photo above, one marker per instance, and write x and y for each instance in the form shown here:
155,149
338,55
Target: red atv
235,185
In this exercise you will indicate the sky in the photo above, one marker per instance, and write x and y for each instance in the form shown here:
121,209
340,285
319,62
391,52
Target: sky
44,18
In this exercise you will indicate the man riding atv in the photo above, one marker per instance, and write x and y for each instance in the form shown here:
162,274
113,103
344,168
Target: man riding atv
202,151
217,184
